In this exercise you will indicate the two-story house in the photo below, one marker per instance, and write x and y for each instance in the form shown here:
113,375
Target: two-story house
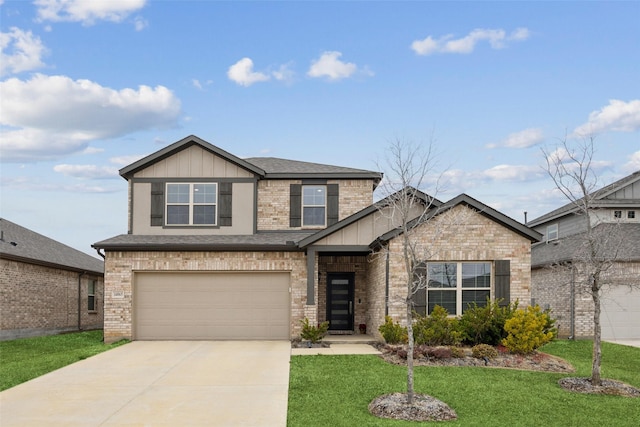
220,247
556,280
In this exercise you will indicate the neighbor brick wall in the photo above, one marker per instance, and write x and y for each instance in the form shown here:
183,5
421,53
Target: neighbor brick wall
273,200
37,300
376,292
121,265
461,234
551,287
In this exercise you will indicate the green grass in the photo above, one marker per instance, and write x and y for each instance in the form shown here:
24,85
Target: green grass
336,390
28,358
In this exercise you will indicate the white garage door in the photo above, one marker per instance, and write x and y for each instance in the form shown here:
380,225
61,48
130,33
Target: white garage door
204,306
620,317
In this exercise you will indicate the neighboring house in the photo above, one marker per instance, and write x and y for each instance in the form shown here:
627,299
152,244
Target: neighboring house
46,287
221,247
556,271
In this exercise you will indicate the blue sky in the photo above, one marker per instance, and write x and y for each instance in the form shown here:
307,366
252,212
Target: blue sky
88,87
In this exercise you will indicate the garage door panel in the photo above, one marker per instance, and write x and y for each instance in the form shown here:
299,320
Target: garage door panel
620,316
211,306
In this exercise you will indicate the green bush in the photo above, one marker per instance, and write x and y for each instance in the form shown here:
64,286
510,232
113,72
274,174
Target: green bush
437,329
485,324
457,352
313,333
481,351
393,333
527,330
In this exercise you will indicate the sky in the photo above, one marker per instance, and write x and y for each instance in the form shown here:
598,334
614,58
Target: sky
89,87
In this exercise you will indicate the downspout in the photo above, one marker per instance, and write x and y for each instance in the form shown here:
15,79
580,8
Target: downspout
572,305
80,299
100,253
386,285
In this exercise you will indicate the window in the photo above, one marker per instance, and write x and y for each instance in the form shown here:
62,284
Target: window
552,232
314,206
91,295
454,286
192,204
631,214
617,214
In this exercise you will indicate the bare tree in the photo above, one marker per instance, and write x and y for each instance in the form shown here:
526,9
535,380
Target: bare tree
410,167
571,168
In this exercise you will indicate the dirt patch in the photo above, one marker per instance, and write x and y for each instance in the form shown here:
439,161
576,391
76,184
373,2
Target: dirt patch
423,408
308,344
536,361
610,387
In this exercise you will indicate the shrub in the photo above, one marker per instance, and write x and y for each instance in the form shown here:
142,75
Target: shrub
481,351
437,329
313,333
457,352
526,330
393,333
485,324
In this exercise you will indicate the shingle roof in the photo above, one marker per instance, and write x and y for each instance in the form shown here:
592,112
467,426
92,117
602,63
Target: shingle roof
252,242
563,250
22,244
598,195
283,168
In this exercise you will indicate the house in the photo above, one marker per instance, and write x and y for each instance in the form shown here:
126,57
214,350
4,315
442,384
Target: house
46,286
220,247
616,212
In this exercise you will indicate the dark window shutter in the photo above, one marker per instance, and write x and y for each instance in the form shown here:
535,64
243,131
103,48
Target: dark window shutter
295,205
332,203
225,203
503,281
157,204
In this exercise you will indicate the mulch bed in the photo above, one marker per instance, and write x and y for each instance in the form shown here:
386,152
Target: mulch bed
424,408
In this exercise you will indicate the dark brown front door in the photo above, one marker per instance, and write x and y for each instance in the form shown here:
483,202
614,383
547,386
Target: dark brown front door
340,301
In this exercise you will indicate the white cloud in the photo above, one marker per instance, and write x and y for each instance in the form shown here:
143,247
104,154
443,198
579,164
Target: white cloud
86,12
284,73
87,171
127,160
242,73
514,172
617,116
20,51
523,139
497,38
330,66
29,184
93,150
140,23
633,164
38,125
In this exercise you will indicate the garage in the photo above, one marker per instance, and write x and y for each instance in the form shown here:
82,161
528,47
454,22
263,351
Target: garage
211,306
620,317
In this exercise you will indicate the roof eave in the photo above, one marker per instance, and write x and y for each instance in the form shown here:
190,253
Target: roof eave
176,247
50,264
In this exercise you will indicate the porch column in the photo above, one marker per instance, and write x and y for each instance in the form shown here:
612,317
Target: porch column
311,276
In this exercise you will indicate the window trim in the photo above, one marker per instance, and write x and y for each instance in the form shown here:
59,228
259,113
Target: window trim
617,214
631,214
191,204
303,206
91,296
553,229
459,288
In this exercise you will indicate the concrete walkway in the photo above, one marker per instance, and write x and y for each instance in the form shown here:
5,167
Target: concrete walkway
336,349
163,383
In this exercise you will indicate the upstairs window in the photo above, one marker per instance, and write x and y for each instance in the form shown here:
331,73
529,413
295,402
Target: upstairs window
192,203
631,214
552,232
314,205
617,214
91,295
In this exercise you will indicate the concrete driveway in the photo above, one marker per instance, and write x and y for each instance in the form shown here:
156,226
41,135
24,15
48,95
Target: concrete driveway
156,383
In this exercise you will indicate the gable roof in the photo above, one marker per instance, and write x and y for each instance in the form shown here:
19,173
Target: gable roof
481,208
128,171
287,169
21,244
598,196
424,197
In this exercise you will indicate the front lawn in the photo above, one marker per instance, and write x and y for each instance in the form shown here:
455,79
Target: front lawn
28,358
335,390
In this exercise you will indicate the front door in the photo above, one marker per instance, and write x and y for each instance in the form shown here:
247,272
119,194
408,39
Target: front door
340,301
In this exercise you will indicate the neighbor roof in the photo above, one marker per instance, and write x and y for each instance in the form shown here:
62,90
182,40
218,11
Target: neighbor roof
21,244
564,250
598,195
287,169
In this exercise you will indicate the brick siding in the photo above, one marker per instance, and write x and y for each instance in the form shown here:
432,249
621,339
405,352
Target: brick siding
37,300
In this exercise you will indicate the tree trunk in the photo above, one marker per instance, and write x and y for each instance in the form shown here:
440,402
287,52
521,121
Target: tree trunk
410,354
597,347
